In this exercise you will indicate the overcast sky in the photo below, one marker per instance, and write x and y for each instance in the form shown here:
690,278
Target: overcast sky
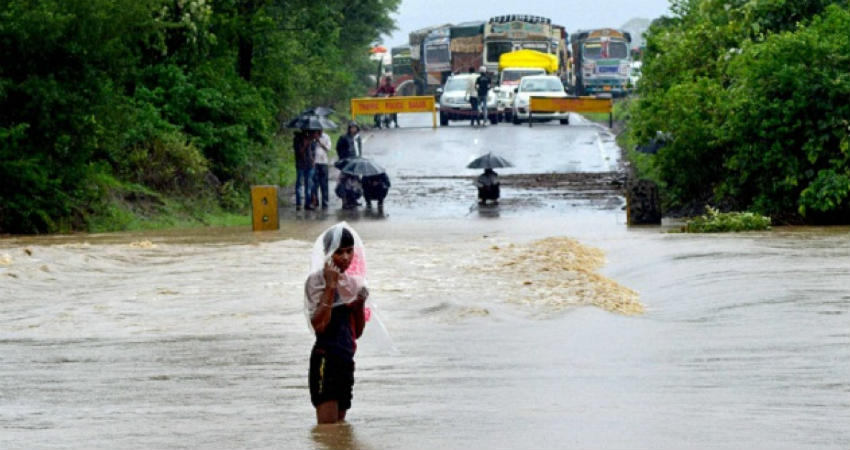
573,14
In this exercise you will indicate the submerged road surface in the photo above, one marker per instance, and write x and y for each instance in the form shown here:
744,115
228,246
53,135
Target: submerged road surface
196,338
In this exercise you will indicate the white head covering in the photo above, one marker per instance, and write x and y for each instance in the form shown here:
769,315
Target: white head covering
354,277
350,282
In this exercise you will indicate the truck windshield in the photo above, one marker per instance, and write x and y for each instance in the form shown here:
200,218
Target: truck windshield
437,53
593,50
495,50
515,75
618,50
541,85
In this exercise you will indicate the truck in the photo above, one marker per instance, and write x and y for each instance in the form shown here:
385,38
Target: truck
467,46
417,41
560,38
403,80
438,57
508,33
601,62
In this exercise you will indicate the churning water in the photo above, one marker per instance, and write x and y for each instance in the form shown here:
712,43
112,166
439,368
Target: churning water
196,339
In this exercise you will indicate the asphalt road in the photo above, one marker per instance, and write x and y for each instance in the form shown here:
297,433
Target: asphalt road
556,169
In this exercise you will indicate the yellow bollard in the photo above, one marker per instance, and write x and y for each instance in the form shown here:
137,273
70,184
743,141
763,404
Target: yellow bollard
264,208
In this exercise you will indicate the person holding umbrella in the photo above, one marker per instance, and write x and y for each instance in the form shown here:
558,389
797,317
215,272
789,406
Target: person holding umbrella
349,189
488,182
488,186
309,124
352,170
304,149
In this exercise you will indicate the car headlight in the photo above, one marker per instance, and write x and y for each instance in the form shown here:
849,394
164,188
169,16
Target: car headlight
522,102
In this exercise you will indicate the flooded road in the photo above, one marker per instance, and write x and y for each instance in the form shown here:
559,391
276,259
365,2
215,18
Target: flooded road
196,338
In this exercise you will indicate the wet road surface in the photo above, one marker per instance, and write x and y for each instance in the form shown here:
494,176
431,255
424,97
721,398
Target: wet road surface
196,338
427,168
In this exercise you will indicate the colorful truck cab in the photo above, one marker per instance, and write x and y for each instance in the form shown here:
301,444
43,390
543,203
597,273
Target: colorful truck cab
602,60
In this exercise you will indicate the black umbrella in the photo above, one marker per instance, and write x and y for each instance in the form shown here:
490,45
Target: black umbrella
311,122
489,161
317,111
361,166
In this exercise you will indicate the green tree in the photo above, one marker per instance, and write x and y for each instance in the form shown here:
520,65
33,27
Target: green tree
754,95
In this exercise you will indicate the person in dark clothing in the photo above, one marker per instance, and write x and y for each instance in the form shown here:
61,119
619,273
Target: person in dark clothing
304,150
335,302
375,187
488,186
386,90
482,86
349,145
348,188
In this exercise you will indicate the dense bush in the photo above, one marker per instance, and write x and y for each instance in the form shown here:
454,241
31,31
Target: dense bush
714,221
101,98
755,97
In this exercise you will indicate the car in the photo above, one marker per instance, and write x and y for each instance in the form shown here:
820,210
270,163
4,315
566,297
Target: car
454,104
509,79
538,86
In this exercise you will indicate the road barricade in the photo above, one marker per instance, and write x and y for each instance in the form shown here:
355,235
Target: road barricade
392,105
571,104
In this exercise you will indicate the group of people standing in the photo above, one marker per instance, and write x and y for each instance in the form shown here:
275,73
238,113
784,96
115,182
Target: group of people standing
312,159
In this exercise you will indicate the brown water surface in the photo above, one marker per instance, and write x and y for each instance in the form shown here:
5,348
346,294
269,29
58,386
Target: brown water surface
196,339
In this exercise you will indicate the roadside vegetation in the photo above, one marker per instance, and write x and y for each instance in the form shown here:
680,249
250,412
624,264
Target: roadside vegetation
122,114
714,221
754,95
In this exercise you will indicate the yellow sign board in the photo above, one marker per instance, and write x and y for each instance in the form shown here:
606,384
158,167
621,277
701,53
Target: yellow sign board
388,105
391,105
571,104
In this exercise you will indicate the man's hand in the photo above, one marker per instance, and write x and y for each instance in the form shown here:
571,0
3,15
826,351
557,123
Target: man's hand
331,274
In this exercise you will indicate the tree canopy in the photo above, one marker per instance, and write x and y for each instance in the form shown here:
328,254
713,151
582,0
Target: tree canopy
754,94
102,101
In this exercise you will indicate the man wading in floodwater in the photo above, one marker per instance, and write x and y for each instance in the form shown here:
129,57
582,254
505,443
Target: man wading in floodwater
334,300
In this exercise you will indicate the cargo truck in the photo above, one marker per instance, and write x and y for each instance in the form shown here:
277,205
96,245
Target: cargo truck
467,46
601,62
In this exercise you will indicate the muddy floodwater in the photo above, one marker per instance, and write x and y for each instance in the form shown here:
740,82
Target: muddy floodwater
196,339
542,322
